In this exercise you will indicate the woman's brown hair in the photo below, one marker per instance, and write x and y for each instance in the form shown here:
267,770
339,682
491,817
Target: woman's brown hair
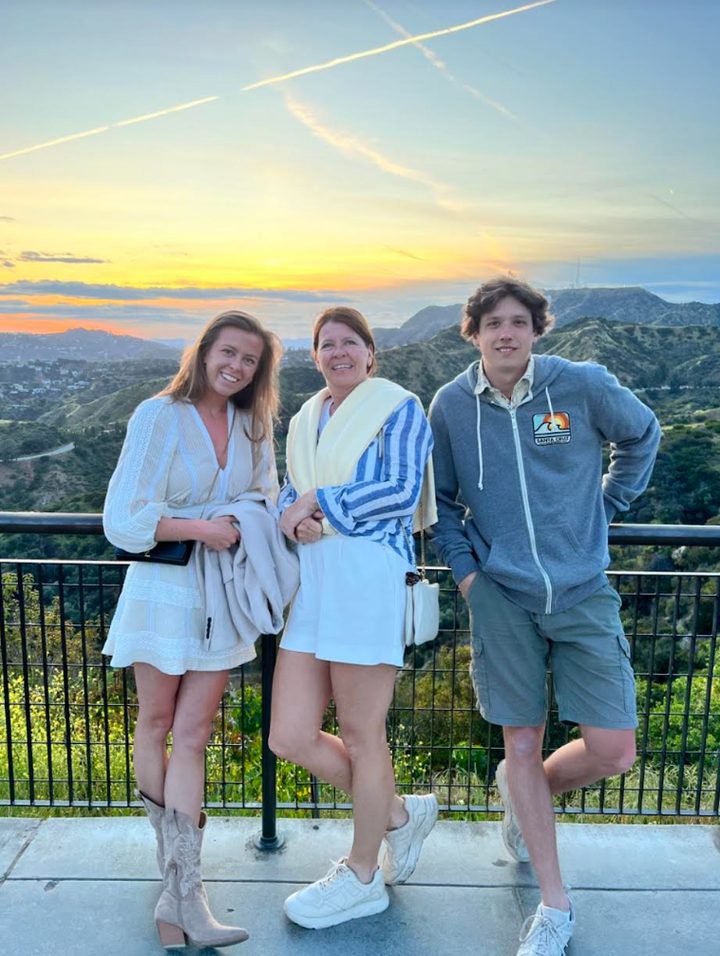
354,320
260,397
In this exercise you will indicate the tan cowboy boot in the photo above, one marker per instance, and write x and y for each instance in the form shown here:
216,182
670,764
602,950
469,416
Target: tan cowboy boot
155,814
182,910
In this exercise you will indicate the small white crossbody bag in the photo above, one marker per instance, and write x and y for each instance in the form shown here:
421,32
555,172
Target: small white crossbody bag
422,601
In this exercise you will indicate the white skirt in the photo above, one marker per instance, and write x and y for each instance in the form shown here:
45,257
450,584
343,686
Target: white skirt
350,607
160,620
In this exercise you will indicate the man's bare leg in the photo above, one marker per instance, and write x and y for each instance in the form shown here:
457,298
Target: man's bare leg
533,806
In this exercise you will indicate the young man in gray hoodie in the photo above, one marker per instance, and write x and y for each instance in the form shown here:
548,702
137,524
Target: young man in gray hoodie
519,439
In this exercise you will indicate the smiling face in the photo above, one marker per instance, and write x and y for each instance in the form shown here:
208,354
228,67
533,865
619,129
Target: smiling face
342,357
232,361
505,338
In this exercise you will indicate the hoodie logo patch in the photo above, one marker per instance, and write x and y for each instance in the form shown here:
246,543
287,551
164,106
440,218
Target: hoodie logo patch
552,429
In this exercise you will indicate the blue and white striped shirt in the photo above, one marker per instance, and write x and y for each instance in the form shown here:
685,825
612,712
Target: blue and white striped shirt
385,491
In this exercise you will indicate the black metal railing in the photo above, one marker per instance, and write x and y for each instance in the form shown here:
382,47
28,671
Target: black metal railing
67,717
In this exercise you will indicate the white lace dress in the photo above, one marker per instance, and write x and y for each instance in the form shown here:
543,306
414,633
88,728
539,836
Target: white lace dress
166,469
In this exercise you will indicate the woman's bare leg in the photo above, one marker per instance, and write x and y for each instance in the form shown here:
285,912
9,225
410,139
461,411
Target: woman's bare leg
362,697
197,704
156,699
301,693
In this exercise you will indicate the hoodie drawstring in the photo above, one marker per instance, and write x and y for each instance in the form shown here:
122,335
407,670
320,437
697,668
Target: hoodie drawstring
479,441
552,413
481,467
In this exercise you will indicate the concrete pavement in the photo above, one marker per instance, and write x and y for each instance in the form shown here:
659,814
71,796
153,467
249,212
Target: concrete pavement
85,886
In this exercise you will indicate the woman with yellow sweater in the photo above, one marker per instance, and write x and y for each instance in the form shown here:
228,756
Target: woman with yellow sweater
358,452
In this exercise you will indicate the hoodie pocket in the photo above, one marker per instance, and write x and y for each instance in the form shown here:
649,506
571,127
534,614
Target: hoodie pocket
564,560
510,561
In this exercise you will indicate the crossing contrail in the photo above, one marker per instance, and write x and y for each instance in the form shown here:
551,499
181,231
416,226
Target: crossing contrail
330,64
387,47
435,61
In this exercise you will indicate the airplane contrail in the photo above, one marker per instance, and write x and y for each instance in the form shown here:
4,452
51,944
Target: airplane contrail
435,61
330,64
418,38
105,129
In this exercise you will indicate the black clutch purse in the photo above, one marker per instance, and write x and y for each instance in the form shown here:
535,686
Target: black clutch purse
165,552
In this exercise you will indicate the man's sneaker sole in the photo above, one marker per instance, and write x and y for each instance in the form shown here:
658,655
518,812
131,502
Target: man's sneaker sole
501,784
425,823
368,908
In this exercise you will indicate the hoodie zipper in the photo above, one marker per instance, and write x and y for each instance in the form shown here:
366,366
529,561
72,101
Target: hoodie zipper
528,516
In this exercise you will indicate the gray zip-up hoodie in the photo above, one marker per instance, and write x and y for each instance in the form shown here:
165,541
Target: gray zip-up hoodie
534,505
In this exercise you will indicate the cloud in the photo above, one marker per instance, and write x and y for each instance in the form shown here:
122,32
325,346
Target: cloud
81,310
30,256
7,219
6,264
351,145
87,290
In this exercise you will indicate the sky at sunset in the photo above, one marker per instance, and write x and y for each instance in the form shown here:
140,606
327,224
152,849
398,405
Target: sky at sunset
165,160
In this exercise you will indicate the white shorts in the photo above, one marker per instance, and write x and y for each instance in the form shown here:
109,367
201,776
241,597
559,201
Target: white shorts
350,606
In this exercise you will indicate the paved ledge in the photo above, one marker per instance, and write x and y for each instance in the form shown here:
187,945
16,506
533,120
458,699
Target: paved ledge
86,886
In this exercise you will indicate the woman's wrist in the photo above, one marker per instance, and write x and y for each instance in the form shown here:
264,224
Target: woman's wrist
309,503
193,529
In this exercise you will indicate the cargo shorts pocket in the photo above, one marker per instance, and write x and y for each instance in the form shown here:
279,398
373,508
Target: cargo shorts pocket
478,673
627,674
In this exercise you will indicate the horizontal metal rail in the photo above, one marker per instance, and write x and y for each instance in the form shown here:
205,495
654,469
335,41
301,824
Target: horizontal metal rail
42,522
67,717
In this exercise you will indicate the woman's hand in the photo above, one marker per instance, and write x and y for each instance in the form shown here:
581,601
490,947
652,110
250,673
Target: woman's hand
308,531
292,517
218,534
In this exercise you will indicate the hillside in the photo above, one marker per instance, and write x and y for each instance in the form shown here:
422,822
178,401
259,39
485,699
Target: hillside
423,325
93,345
626,305
641,356
677,371
55,389
633,304
116,407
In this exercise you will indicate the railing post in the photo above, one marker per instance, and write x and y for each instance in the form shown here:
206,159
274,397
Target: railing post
268,838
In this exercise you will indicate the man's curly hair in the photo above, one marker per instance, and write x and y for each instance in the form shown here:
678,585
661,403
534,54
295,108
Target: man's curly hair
493,291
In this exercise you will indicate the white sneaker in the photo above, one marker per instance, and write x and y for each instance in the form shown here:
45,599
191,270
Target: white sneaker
339,896
542,936
512,834
402,846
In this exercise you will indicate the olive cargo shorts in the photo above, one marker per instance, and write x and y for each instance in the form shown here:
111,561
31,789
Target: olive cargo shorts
584,647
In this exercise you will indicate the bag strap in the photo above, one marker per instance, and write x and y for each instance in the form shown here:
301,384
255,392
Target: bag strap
422,538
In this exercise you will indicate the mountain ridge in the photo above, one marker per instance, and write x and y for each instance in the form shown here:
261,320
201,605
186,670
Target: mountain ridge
95,345
642,356
625,304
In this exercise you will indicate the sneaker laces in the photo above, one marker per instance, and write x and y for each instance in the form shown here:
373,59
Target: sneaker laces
546,932
338,868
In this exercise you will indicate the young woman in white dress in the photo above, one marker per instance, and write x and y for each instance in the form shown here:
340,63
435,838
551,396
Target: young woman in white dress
357,457
199,443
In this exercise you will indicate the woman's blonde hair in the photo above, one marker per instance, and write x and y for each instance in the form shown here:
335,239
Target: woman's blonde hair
260,397
354,320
